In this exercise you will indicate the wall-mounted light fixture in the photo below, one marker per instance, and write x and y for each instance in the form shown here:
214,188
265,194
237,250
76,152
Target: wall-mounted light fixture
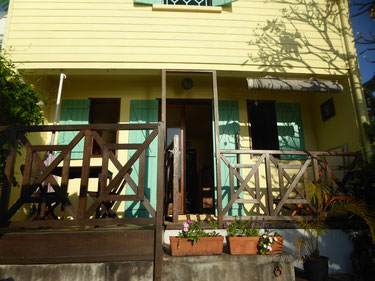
187,84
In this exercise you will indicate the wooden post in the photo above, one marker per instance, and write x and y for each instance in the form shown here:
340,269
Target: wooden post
164,103
217,150
85,176
8,173
158,258
269,184
315,168
176,168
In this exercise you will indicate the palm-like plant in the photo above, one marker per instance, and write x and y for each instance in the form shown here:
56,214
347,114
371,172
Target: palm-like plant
328,202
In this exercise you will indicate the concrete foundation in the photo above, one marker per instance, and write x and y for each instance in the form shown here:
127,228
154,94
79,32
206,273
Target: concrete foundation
205,268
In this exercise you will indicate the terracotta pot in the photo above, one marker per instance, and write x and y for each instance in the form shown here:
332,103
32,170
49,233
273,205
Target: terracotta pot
277,247
206,246
243,245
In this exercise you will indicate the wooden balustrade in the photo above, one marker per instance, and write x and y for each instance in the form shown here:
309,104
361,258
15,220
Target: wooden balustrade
283,180
100,211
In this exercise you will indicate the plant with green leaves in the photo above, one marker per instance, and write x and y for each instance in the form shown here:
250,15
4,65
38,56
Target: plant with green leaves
192,230
266,241
243,228
328,202
18,104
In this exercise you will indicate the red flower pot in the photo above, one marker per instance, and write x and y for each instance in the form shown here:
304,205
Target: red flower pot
243,245
205,246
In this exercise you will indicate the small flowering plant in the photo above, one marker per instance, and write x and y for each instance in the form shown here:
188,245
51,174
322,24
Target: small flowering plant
193,230
240,228
265,243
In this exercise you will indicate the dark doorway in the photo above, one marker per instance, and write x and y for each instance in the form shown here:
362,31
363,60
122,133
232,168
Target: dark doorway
263,125
192,121
104,111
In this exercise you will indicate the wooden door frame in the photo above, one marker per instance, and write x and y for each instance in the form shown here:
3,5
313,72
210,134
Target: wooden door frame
216,125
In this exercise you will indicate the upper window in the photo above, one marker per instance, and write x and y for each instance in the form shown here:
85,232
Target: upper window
188,2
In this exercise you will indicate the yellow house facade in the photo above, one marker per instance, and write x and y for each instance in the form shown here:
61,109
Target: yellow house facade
113,54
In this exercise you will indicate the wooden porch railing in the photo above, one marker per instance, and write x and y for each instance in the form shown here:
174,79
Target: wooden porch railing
283,181
110,183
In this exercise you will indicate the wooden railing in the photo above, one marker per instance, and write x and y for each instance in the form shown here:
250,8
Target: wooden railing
48,191
172,158
282,181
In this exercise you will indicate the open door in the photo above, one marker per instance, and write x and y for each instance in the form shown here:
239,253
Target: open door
191,121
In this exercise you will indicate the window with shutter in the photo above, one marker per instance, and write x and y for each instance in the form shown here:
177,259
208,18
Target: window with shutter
73,112
276,126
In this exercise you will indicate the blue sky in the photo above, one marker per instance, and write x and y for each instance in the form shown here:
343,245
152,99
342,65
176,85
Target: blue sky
364,24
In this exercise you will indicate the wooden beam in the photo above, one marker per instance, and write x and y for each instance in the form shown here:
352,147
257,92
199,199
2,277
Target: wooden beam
164,103
76,246
82,200
158,258
176,182
217,150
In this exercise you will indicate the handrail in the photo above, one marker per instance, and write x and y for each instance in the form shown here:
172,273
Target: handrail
46,201
291,152
45,128
278,179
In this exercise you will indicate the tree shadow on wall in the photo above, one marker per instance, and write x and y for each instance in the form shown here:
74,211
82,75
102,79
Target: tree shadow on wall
306,35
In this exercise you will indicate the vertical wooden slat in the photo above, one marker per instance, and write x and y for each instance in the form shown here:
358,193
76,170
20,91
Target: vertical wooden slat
104,171
257,185
269,183
281,182
65,180
27,170
176,184
164,103
315,168
217,148
141,175
231,182
84,176
158,258
8,172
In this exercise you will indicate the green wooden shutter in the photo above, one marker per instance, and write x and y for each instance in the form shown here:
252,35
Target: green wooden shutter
228,129
141,112
289,128
73,112
222,2
148,2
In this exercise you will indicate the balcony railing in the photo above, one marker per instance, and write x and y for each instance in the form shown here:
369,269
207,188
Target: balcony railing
44,181
272,188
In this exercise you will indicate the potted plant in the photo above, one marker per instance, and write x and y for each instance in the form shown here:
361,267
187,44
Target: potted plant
327,202
270,244
194,241
244,239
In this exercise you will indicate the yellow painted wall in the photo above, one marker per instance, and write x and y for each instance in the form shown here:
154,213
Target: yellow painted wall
294,36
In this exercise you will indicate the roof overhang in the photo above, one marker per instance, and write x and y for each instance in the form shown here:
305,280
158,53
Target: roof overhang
300,85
